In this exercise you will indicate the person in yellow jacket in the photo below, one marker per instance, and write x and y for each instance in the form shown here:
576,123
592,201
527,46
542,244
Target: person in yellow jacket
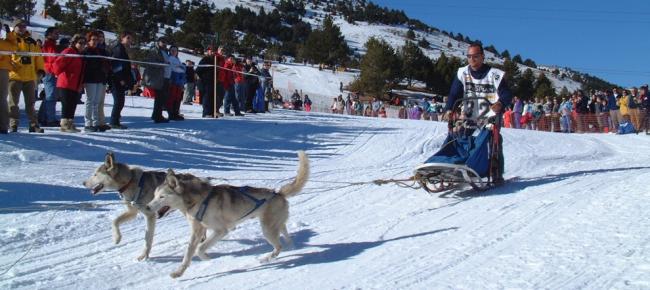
23,76
623,103
5,66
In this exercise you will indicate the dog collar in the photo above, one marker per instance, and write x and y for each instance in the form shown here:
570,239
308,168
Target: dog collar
126,186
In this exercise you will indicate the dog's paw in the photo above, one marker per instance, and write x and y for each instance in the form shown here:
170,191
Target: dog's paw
143,257
117,238
176,274
203,256
267,259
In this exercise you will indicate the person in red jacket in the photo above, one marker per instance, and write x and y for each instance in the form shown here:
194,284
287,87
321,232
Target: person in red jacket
47,110
230,97
69,72
240,84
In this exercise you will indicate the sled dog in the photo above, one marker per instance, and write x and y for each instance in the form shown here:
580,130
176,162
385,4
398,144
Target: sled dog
222,207
136,188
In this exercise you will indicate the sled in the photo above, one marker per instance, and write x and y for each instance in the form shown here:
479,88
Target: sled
469,154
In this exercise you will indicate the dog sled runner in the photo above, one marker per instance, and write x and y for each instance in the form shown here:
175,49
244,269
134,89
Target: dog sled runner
469,154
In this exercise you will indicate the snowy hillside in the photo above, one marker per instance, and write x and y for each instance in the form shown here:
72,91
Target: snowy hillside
575,216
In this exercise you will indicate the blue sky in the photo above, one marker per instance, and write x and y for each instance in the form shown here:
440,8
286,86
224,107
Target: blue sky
607,39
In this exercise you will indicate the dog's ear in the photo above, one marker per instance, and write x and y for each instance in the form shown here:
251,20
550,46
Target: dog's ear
110,160
171,179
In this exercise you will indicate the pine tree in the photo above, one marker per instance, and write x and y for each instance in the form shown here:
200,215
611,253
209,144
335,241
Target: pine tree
121,15
73,19
505,54
326,45
424,43
196,25
380,69
22,9
414,62
529,62
101,21
525,84
517,59
512,71
410,34
543,87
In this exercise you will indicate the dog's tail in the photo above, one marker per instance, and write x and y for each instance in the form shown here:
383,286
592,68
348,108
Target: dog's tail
291,189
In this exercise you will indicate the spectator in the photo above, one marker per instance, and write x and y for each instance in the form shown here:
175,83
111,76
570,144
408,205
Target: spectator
205,72
623,105
645,104
240,84
307,103
157,77
402,113
507,118
121,80
368,111
347,105
69,79
382,112
581,106
517,111
527,115
603,115
176,82
266,83
358,107
340,104
565,111
47,110
259,102
230,99
23,76
252,83
190,85
5,67
94,81
612,105
633,108
415,113
376,104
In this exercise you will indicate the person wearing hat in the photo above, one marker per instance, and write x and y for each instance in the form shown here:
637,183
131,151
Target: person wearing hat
23,76
5,67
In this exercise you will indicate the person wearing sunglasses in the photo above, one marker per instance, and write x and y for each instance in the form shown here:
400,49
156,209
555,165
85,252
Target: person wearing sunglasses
24,72
478,79
69,72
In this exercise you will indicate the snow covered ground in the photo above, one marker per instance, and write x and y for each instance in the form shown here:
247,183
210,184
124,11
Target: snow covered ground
575,217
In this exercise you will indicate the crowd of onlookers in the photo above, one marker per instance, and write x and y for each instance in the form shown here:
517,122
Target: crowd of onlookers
615,110
86,64
234,87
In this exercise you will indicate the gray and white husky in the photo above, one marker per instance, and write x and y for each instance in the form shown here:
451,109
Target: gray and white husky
221,207
136,188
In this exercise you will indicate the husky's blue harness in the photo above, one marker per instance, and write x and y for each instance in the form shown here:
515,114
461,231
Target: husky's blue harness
243,191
